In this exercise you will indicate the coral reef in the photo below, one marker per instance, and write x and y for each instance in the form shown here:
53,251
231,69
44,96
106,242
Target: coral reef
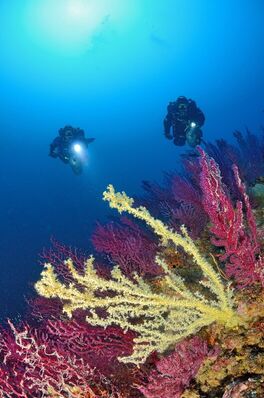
160,319
168,309
65,359
239,358
127,245
32,366
162,308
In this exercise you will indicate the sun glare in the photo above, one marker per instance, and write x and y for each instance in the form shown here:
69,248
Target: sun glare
76,9
84,12
72,24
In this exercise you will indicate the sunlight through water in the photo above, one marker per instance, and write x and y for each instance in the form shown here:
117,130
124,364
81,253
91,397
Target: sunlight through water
71,25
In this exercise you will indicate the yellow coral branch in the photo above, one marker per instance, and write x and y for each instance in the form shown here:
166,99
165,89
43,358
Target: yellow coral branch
160,319
123,203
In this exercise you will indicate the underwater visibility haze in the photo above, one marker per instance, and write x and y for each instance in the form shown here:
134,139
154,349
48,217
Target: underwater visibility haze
110,68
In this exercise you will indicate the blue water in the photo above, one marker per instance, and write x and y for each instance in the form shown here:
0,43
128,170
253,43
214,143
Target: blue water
112,75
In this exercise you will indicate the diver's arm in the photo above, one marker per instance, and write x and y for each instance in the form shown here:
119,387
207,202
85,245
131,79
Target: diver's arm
89,140
53,146
199,117
167,123
195,115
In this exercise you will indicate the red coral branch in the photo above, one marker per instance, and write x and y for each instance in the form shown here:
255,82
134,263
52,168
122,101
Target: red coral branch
96,345
35,364
234,232
58,253
42,308
32,367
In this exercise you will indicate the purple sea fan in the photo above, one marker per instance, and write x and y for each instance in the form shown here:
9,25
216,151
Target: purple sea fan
174,372
252,149
191,167
190,211
248,155
97,346
178,202
58,253
128,246
158,199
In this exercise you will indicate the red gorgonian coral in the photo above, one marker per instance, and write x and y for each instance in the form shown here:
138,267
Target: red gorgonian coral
98,346
58,253
174,372
128,246
33,366
233,228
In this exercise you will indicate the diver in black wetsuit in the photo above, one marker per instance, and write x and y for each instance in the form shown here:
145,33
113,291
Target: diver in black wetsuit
183,122
70,146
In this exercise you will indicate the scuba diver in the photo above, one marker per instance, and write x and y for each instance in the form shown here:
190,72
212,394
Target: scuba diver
70,146
185,119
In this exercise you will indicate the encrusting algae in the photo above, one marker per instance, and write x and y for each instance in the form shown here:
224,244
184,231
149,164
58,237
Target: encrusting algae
159,319
239,354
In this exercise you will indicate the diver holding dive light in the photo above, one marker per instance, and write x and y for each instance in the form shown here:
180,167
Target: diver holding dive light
70,146
183,122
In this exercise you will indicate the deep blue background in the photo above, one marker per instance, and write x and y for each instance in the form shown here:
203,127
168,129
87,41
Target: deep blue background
116,86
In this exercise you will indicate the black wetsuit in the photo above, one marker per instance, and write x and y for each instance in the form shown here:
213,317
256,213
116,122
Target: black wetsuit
182,114
61,146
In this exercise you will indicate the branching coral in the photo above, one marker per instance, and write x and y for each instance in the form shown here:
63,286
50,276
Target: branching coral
189,306
231,230
97,346
248,155
251,154
32,366
160,319
127,245
174,372
178,202
58,253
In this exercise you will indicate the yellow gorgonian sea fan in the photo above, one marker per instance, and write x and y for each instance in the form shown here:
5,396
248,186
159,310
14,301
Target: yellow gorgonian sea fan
160,319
